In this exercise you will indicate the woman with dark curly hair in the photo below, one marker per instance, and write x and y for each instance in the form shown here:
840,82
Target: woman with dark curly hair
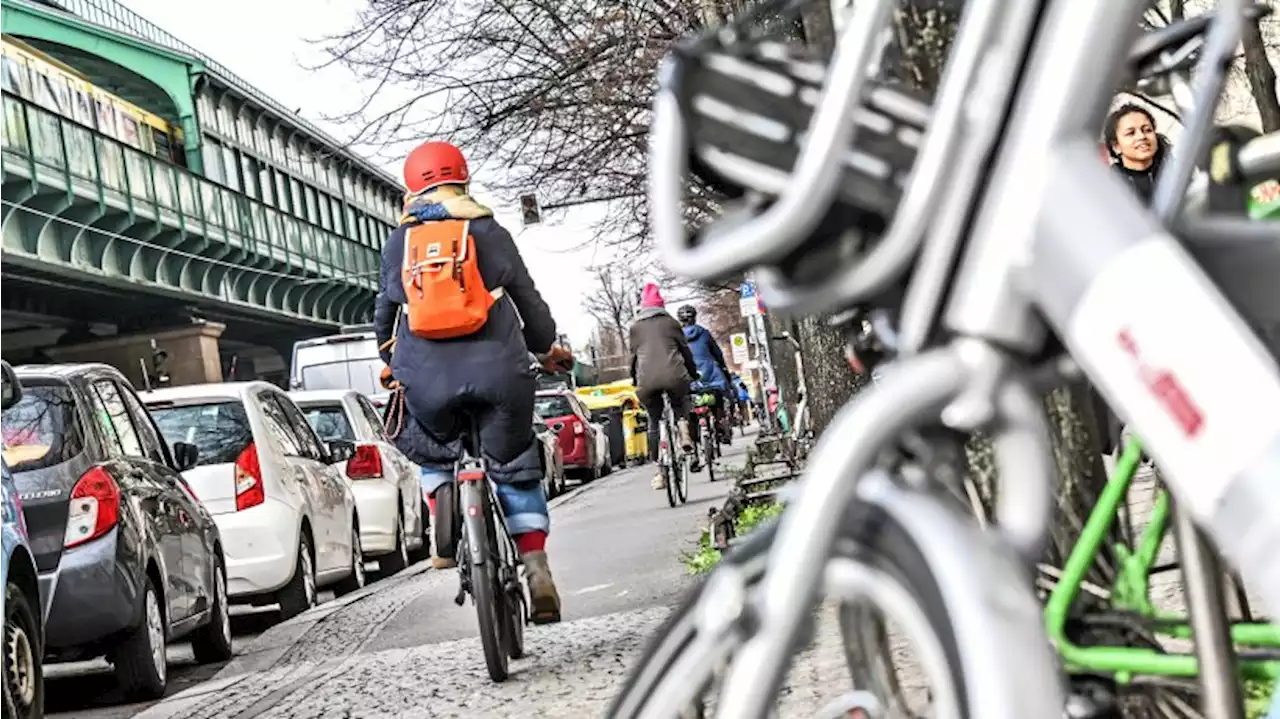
1138,150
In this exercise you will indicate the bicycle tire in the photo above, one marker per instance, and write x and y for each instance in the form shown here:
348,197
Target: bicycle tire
487,596
515,607
710,440
879,541
682,478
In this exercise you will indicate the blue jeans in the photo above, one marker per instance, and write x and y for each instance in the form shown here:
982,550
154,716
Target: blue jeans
523,503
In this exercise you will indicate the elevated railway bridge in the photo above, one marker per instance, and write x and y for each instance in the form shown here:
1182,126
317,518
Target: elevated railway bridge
151,196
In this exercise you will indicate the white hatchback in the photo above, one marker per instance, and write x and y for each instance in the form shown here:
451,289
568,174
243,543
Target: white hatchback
384,481
288,520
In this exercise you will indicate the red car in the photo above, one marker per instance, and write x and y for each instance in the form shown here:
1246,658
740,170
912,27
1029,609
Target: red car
570,420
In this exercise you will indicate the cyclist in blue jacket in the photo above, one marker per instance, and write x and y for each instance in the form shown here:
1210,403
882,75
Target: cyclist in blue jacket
713,372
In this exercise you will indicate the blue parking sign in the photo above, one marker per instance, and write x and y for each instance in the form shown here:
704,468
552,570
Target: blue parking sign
747,290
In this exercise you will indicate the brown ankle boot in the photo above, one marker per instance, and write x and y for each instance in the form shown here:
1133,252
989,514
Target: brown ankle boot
543,597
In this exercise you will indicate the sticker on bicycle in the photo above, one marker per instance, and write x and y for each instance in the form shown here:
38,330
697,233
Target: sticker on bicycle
1173,358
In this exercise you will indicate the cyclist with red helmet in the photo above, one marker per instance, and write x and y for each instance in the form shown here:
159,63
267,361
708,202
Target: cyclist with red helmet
485,373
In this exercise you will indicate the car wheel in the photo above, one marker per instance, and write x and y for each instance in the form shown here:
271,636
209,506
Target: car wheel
395,562
141,666
23,680
212,642
357,579
299,594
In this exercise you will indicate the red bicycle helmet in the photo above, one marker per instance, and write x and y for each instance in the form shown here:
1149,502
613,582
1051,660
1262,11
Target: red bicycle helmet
432,164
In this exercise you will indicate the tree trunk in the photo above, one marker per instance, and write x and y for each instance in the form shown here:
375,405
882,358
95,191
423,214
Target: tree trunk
1262,76
827,376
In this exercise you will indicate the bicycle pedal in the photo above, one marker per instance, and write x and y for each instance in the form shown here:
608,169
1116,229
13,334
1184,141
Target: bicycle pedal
461,598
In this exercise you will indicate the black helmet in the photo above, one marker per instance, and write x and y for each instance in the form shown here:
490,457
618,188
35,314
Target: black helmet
687,314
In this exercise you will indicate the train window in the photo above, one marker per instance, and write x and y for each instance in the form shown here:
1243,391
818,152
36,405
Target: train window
21,71
84,109
106,117
9,75
161,140
145,141
42,90
129,131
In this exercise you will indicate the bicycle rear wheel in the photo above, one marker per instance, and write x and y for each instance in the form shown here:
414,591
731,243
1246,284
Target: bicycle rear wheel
681,471
710,443
486,583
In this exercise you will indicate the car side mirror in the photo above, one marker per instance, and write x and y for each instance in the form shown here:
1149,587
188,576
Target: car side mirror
12,393
185,455
340,450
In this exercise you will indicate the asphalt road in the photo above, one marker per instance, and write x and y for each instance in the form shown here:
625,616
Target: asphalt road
403,648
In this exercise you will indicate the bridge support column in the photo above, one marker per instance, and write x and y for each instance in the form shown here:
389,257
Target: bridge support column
193,353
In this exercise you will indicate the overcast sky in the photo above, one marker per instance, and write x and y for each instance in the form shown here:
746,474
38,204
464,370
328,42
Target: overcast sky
265,42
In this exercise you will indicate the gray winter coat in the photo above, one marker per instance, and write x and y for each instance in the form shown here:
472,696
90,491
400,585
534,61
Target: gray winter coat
660,356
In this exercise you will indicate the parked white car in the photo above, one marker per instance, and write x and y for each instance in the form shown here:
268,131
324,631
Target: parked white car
385,483
287,517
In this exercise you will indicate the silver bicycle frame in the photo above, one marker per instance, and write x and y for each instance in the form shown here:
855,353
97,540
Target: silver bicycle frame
1056,236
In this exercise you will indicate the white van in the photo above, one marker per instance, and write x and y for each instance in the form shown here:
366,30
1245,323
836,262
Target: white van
348,360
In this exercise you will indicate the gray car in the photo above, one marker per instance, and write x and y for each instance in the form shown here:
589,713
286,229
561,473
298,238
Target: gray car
127,557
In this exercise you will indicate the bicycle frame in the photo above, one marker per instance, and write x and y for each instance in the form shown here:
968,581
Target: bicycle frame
1054,240
1130,592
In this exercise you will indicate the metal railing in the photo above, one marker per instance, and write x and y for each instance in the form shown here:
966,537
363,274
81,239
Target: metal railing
64,152
114,16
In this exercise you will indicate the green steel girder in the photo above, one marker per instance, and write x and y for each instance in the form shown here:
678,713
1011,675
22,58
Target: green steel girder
174,72
66,232
91,247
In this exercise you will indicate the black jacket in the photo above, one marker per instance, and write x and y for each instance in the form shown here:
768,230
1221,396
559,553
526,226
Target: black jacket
1144,181
486,371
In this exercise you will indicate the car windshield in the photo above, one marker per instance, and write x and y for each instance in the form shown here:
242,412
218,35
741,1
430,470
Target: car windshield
330,422
219,428
360,375
554,405
43,428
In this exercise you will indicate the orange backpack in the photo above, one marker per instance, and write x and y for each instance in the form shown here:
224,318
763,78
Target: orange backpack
447,296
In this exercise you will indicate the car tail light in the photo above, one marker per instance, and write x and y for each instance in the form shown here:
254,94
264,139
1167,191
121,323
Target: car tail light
249,489
95,508
366,463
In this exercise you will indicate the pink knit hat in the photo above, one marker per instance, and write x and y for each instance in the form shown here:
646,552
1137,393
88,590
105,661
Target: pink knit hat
651,297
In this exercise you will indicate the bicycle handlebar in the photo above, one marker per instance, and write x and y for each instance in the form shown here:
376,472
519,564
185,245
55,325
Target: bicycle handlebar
1260,157
738,241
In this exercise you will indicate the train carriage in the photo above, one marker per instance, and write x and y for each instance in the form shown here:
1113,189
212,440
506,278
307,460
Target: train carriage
33,75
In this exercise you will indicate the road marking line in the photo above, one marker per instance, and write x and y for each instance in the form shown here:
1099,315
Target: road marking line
595,588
